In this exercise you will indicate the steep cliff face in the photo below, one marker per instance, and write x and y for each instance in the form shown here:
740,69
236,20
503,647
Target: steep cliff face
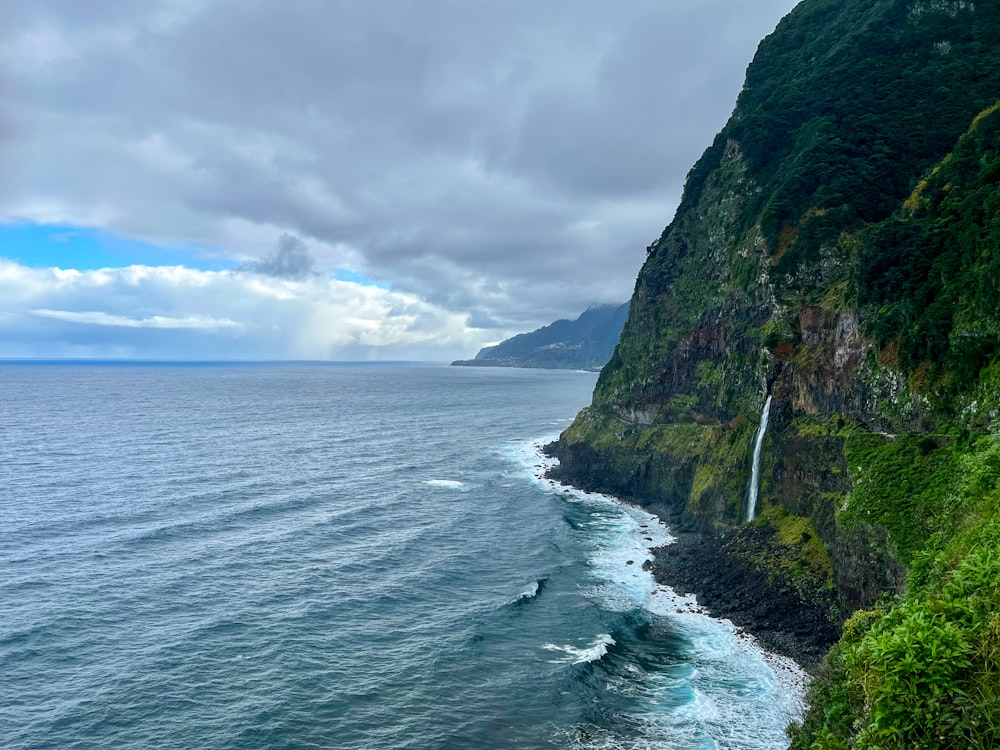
753,288
836,248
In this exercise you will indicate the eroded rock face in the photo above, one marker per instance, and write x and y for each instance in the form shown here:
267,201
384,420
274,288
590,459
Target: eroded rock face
836,348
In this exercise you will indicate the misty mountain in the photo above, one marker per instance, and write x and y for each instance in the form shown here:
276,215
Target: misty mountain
586,343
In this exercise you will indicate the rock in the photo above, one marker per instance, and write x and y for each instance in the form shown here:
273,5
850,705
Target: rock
727,586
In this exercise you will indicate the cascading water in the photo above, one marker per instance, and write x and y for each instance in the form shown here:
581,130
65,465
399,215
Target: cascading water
755,468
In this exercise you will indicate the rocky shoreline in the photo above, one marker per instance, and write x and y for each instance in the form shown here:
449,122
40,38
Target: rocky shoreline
716,570
727,587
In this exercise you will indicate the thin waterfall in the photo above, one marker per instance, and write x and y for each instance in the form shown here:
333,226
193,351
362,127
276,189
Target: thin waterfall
754,489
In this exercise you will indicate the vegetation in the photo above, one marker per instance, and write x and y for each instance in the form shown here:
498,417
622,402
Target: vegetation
931,274
902,485
849,100
795,550
923,670
820,120
838,246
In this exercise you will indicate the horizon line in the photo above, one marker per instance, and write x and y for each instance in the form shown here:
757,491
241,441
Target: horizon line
130,360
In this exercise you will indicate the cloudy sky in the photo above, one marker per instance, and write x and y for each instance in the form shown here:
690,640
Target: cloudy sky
343,179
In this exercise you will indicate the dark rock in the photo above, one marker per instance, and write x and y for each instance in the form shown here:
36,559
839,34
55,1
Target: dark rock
781,618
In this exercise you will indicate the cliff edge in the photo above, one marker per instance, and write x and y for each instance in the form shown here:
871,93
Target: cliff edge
837,251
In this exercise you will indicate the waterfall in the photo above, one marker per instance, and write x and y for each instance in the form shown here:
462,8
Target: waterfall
754,489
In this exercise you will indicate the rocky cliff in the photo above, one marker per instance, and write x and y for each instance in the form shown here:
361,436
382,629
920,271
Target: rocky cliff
836,248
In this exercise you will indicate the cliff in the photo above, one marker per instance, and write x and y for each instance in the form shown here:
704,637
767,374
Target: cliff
586,343
837,249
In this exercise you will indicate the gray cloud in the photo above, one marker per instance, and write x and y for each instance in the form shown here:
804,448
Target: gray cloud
291,259
509,161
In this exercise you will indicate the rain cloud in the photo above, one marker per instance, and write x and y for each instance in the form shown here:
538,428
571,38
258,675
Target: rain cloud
499,163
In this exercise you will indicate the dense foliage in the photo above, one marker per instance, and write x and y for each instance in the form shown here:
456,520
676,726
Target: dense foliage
931,274
923,670
853,198
847,103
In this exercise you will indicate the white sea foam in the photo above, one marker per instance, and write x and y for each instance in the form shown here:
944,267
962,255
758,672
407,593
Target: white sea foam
451,484
529,592
594,652
754,693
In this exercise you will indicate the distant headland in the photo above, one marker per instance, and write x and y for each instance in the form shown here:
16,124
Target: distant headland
586,343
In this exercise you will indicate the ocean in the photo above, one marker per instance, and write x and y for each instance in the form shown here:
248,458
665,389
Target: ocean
214,556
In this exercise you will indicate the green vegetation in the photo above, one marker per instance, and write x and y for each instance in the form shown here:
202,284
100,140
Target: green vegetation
780,330
931,274
695,467
847,102
795,550
838,246
902,485
921,669
850,100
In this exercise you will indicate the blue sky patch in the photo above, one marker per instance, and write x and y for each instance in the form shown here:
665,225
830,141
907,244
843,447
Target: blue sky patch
87,248
345,274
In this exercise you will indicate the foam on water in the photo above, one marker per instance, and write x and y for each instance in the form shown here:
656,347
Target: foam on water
532,591
741,696
451,484
594,652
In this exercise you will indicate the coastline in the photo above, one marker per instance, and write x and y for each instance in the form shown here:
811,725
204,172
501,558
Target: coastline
697,566
726,587
792,667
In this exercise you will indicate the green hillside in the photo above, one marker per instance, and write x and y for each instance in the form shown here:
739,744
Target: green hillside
837,247
923,669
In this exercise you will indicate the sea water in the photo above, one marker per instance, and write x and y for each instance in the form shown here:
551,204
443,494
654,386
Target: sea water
339,556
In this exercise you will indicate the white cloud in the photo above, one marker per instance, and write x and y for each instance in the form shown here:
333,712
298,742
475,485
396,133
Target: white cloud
506,160
172,312
201,322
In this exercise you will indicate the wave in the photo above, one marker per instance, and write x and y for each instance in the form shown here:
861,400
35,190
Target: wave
533,590
592,653
740,694
451,484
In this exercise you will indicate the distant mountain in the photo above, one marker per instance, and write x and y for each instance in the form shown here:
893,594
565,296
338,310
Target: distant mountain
586,343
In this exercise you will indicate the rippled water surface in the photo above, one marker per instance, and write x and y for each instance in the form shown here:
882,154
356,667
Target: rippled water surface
338,556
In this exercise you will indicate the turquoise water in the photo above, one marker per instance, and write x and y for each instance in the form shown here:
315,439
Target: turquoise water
338,556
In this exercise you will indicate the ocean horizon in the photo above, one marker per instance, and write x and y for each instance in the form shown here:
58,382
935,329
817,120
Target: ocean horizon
340,555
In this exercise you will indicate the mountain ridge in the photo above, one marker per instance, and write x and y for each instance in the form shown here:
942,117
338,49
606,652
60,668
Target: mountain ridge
585,343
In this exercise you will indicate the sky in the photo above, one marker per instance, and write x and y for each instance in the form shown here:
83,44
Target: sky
343,179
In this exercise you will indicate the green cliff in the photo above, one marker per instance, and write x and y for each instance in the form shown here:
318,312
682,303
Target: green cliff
837,247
